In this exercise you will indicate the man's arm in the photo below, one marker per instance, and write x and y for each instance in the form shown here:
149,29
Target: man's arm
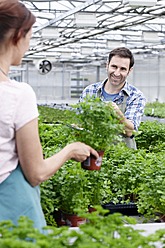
133,113
129,126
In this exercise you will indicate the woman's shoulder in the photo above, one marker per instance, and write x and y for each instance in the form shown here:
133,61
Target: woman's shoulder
18,88
19,85
17,91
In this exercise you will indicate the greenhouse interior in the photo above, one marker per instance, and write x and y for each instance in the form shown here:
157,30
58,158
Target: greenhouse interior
121,204
72,39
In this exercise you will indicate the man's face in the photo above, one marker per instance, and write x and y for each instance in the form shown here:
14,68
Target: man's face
118,70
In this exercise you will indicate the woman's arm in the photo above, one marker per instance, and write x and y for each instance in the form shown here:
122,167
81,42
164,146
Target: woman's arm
35,167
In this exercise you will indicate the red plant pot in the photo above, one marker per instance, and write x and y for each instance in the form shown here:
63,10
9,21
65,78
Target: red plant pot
73,220
91,163
91,209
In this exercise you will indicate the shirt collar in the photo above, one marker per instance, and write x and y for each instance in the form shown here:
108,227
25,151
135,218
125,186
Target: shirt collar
125,89
101,85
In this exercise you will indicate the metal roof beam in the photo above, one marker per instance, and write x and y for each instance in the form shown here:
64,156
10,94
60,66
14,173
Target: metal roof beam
68,13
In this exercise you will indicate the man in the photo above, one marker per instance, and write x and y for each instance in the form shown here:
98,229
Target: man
128,101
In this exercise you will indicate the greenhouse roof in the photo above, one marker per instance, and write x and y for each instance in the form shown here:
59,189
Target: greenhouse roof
71,30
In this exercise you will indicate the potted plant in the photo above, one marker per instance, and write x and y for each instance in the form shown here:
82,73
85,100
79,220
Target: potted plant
95,123
70,185
137,177
72,188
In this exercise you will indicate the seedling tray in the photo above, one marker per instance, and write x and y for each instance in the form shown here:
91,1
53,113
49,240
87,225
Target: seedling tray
128,209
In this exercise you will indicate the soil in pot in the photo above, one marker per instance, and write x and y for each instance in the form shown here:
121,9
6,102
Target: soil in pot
91,163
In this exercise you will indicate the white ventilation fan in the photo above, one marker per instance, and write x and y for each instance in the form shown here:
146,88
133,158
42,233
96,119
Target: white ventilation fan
44,66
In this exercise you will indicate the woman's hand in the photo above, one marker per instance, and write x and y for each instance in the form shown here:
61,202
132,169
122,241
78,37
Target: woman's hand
81,151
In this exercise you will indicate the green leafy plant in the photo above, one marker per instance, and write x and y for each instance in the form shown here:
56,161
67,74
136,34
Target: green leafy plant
124,171
73,192
150,135
124,168
73,188
94,123
151,194
101,230
155,109
137,173
50,114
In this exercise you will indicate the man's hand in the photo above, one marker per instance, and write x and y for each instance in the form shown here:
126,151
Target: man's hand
129,127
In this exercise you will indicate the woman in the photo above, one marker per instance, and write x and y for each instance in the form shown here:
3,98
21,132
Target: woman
22,167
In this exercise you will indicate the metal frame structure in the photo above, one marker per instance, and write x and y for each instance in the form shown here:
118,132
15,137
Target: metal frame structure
116,23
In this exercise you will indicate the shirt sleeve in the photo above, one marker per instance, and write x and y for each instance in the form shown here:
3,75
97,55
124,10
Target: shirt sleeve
26,107
135,110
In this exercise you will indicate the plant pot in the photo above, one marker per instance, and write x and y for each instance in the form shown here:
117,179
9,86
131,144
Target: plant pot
58,216
161,217
91,163
91,209
72,220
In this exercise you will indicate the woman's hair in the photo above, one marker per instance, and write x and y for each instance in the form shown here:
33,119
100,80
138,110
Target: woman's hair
122,52
15,20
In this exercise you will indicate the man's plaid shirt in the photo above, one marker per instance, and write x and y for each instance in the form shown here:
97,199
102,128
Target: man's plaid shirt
135,102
